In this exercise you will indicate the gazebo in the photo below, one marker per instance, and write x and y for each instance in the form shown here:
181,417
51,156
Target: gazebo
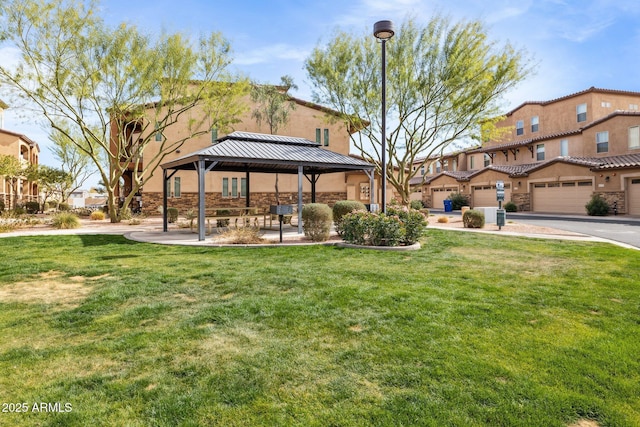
254,152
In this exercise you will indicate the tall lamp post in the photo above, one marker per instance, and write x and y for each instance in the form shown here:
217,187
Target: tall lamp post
383,31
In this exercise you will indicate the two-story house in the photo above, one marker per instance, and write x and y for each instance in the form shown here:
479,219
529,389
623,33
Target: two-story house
307,120
17,189
555,156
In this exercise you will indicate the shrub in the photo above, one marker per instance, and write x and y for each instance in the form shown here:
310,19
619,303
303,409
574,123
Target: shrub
473,219
458,200
356,227
83,212
343,207
510,207
32,207
64,207
172,214
65,220
417,204
97,216
386,230
400,225
316,221
443,219
1,206
597,206
242,236
414,223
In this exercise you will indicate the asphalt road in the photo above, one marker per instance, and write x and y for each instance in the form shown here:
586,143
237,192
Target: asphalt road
621,229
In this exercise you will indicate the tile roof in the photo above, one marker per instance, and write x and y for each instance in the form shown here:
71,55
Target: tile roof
593,163
611,162
562,98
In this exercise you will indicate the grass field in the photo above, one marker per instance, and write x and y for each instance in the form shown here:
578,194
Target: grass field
471,330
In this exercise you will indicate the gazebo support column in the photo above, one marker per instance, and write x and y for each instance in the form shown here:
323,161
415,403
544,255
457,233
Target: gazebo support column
372,183
201,200
165,222
300,175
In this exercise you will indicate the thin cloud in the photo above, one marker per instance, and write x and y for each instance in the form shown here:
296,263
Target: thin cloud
280,51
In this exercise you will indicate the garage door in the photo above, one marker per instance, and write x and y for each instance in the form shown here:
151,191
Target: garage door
485,196
438,196
562,197
634,196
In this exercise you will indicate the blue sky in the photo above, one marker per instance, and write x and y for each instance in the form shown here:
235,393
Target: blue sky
574,44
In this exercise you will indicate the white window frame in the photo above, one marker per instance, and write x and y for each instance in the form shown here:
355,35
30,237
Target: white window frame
564,147
535,123
602,142
520,127
634,137
540,152
177,187
581,113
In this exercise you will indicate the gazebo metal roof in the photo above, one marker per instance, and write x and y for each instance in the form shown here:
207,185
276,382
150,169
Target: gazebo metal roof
254,152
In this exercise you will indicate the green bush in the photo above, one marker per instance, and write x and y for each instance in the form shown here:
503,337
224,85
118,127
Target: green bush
417,204
172,214
386,230
64,207
473,219
458,200
32,207
316,221
510,207
2,206
597,206
19,210
65,220
399,226
343,207
356,227
414,223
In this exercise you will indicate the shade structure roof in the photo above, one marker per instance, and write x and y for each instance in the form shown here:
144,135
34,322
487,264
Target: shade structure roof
256,152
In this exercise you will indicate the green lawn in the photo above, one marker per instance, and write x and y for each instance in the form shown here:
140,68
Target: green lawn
472,330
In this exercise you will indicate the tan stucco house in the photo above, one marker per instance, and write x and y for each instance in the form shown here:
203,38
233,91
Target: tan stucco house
307,120
556,154
28,152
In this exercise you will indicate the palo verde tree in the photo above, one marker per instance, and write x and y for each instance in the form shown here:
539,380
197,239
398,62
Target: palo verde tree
74,162
111,90
52,182
272,107
444,83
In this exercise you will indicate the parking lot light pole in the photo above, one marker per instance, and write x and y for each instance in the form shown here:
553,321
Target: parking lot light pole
383,31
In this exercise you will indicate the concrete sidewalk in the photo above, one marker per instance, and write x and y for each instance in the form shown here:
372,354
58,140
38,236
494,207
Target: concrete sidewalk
150,231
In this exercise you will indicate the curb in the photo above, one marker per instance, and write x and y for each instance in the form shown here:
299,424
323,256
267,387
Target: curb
413,247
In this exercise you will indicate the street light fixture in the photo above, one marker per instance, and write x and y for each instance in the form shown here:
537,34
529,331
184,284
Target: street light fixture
383,31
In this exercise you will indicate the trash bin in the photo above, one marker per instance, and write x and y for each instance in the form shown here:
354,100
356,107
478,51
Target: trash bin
448,206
